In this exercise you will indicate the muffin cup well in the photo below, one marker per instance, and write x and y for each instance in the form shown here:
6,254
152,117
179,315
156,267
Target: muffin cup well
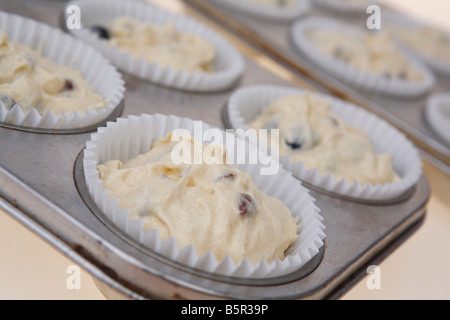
127,138
246,103
228,64
350,74
440,66
62,49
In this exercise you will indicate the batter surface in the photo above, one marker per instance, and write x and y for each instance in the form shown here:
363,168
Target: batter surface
33,81
374,54
214,207
427,41
162,44
311,133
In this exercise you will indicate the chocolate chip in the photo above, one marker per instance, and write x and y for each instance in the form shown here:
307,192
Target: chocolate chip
7,100
294,136
100,31
246,205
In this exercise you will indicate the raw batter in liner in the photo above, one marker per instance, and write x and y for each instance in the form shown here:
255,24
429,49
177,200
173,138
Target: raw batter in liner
162,44
33,81
371,53
312,134
215,207
427,41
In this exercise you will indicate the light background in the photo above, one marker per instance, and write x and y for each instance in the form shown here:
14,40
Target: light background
32,269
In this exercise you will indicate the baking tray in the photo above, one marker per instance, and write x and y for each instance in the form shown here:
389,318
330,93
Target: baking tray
274,38
41,185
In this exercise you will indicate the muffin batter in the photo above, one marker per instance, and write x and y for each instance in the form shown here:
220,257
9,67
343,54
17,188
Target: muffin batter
162,44
274,3
312,134
427,41
374,54
31,81
214,207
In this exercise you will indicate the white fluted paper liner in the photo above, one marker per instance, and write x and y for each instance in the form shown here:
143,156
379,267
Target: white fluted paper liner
270,13
127,138
346,7
350,74
228,64
246,103
438,65
62,49
437,113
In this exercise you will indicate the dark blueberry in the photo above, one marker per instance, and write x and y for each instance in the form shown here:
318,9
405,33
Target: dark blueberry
7,100
100,31
68,85
294,145
246,205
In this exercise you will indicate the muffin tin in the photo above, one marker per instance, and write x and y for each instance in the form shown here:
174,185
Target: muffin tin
128,137
407,114
42,185
246,103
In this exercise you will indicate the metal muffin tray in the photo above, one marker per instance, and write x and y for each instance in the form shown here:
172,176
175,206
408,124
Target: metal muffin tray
274,38
42,186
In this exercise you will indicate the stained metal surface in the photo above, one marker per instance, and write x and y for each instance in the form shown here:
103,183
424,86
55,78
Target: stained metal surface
38,186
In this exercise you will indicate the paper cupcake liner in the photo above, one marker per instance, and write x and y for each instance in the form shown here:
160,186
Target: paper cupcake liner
127,138
437,113
440,66
62,49
345,6
246,103
228,64
267,12
348,73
